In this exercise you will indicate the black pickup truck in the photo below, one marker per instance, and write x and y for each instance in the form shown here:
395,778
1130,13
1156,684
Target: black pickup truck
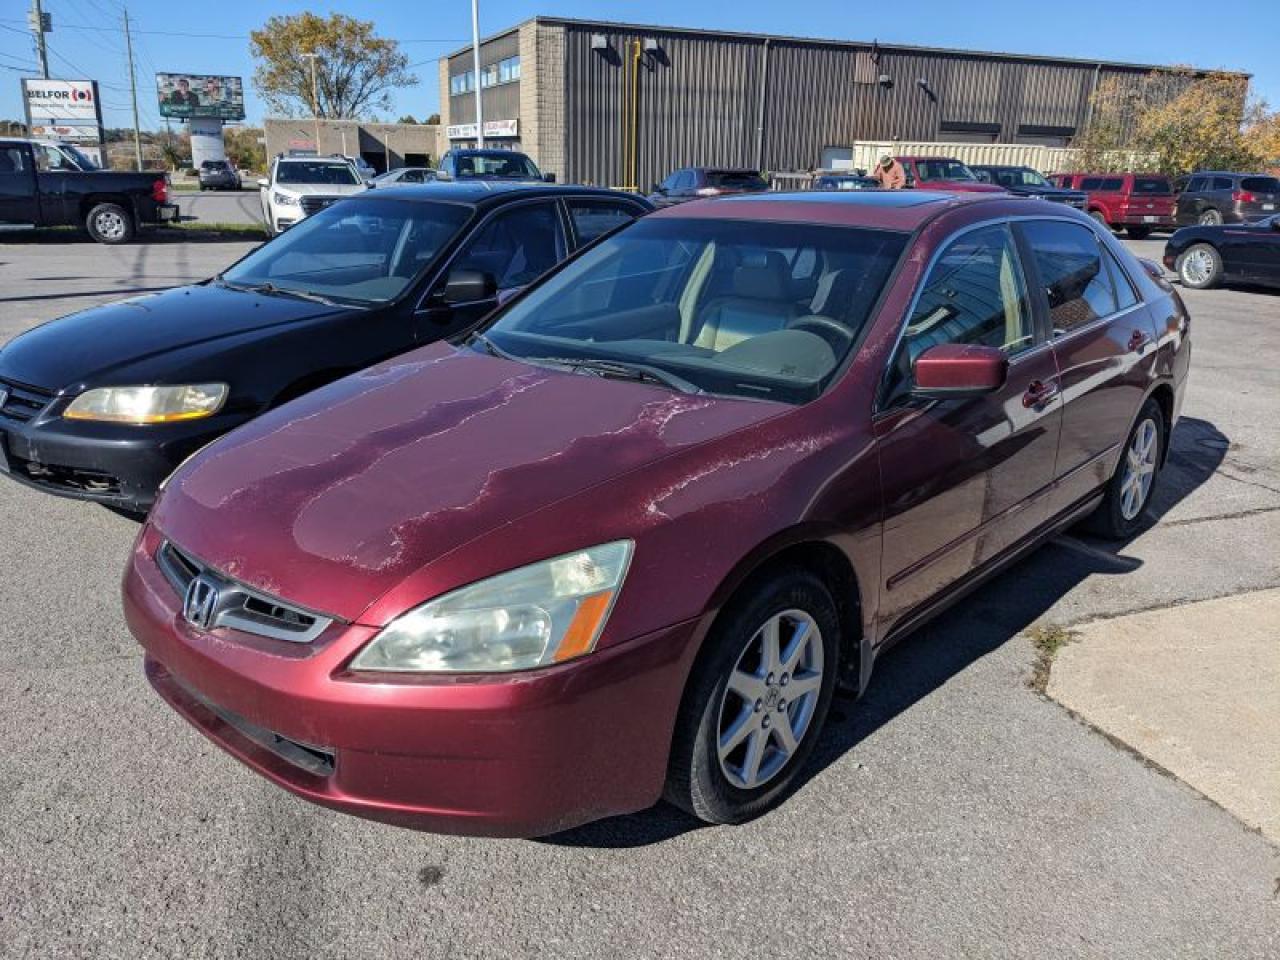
53,184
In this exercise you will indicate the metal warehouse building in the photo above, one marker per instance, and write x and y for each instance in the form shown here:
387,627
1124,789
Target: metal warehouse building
623,104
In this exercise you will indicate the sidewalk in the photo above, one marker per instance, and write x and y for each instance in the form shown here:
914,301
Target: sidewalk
1196,689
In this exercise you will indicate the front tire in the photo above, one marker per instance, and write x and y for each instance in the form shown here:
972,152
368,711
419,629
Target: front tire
110,223
1199,266
1131,487
756,701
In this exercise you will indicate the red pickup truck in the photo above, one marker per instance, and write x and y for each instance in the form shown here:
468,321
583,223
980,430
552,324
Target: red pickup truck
943,173
1138,202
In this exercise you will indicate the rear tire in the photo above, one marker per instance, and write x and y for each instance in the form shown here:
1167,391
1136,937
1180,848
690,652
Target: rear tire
762,688
1131,487
110,223
1199,266
1210,218
1138,233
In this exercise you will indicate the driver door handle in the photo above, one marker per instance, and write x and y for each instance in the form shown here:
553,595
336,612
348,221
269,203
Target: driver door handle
1039,392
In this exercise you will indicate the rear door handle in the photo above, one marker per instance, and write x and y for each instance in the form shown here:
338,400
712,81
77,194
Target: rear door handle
1039,392
1137,341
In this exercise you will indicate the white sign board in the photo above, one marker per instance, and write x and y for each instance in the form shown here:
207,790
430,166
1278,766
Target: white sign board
492,128
66,102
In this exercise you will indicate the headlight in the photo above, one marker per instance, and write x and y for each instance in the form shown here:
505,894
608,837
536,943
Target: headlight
148,404
284,200
537,615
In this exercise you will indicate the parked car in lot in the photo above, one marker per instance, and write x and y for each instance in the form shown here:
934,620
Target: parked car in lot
218,175
364,169
845,181
101,405
622,540
1029,182
692,183
1134,202
489,165
1206,256
1211,198
943,173
297,187
54,185
403,175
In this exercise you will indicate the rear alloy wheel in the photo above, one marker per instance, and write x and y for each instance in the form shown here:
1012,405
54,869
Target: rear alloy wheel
756,703
1210,218
110,223
1131,487
1199,266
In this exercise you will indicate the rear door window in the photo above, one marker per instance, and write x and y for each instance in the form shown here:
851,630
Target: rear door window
593,218
1091,183
13,160
1075,277
516,245
1198,184
1222,183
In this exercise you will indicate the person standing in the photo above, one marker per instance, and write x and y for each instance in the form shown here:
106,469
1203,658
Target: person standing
889,174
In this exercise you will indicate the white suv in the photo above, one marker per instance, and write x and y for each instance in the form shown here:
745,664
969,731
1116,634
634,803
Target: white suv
299,186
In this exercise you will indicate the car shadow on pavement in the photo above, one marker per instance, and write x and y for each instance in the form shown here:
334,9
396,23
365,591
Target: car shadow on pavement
234,233
976,626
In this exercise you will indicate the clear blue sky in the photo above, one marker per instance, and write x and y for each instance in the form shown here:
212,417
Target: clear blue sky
86,41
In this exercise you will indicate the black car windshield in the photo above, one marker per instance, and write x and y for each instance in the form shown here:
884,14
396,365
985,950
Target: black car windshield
745,180
329,174
1020,177
749,309
360,252
943,170
500,164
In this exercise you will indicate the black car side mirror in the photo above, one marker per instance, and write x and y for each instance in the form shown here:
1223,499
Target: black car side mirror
468,286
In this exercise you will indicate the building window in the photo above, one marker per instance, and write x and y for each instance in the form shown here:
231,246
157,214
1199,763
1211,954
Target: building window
495,74
462,83
489,76
509,70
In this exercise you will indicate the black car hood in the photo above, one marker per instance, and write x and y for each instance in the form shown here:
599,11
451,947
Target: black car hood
86,346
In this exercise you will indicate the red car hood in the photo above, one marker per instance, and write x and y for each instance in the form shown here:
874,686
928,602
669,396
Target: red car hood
333,499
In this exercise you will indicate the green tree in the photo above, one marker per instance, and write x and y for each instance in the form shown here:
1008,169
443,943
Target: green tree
355,69
408,118
433,120
246,147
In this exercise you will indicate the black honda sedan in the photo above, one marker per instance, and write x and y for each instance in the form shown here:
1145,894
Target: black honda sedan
1206,256
102,405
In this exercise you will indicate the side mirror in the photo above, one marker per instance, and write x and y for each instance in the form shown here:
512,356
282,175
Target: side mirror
959,370
468,286
549,177
264,183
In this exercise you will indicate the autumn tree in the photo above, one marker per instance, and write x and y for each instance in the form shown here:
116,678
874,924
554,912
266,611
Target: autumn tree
355,69
1262,134
246,147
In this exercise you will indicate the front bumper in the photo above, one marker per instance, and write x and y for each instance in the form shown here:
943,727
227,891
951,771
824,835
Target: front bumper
513,755
113,464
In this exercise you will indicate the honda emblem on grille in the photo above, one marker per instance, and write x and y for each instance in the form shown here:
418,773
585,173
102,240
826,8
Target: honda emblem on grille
200,604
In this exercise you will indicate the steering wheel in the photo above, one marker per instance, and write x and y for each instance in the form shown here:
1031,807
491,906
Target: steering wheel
824,327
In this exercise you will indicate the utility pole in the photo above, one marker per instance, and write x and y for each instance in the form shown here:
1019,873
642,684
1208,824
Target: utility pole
315,102
40,24
133,92
475,65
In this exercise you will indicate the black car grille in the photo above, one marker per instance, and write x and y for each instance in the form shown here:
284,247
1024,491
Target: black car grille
22,403
91,483
312,205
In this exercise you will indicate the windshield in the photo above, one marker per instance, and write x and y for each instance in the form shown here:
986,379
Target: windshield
1020,177
749,309
745,180
498,164
359,252
329,174
943,170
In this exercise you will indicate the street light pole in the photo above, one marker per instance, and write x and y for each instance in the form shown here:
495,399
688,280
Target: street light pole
315,99
133,92
475,66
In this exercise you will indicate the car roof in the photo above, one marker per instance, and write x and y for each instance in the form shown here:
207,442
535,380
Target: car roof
483,192
889,209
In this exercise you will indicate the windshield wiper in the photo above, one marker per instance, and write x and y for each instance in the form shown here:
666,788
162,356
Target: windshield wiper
490,347
622,370
271,290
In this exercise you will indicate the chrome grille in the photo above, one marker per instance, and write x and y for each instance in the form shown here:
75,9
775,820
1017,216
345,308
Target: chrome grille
22,403
233,604
312,205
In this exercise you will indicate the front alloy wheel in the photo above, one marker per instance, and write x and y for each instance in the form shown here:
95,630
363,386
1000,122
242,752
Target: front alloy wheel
756,699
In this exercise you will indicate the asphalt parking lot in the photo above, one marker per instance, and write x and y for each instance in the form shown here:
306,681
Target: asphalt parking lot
217,206
954,811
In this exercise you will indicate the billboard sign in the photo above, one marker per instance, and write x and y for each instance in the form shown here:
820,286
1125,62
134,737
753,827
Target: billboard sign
66,102
186,95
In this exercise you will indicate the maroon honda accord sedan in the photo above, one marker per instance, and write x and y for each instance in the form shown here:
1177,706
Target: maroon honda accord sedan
623,539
